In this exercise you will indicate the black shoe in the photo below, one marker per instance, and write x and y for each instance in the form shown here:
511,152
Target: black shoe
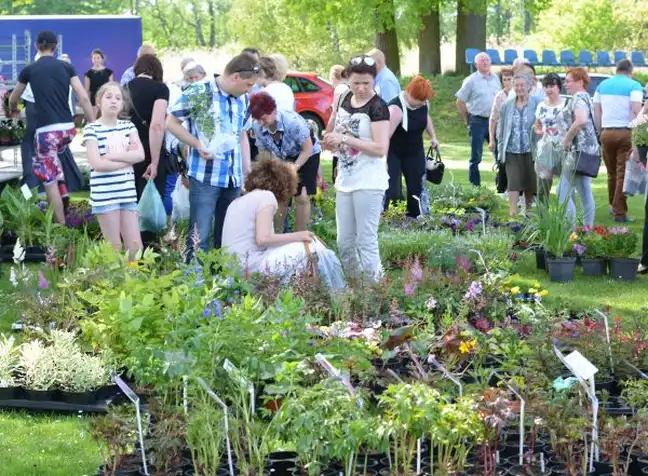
624,219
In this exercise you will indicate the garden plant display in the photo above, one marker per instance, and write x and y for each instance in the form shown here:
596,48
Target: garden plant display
452,298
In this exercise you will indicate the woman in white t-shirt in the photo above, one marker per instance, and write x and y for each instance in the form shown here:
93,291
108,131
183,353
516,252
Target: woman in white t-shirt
113,147
271,78
359,134
550,129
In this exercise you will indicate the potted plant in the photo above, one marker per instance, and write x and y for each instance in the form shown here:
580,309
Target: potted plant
115,433
495,408
38,370
168,439
640,140
205,436
556,239
620,438
621,243
590,247
8,364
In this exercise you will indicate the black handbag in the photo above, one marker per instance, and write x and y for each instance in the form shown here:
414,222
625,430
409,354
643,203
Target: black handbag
434,166
501,179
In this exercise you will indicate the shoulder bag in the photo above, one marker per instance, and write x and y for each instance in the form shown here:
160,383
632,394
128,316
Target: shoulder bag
587,164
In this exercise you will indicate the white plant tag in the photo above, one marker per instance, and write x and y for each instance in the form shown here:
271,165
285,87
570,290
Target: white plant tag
581,367
26,191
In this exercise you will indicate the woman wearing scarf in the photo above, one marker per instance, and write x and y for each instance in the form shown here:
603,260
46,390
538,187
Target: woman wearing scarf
408,119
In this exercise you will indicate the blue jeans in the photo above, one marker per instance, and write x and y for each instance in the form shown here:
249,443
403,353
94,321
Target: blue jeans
583,184
478,127
169,186
208,206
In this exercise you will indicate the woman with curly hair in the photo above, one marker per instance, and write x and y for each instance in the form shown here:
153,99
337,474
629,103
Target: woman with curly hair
408,120
248,231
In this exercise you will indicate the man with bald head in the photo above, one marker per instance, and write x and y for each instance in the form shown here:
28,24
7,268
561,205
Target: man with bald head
475,101
386,83
129,74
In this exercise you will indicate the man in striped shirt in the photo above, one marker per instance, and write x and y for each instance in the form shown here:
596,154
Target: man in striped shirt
217,114
617,101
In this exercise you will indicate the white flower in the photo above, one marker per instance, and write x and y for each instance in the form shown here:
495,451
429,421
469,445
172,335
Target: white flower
18,252
13,279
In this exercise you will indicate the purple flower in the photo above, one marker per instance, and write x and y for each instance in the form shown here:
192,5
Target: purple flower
578,249
431,303
417,271
618,230
463,263
42,282
409,288
214,308
474,291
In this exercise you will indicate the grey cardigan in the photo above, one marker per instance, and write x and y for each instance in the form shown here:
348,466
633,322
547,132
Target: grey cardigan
505,125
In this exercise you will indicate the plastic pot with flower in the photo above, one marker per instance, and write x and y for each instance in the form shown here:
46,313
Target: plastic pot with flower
556,238
620,245
589,245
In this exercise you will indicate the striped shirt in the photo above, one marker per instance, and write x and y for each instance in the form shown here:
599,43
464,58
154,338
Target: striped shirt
230,118
616,95
117,186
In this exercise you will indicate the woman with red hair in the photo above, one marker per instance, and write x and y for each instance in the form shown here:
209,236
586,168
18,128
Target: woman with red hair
288,136
408,119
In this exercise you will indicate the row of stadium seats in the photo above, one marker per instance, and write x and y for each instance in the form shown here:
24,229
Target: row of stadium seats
567,58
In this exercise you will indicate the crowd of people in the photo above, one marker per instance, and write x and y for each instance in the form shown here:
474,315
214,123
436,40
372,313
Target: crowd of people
235,141
537,135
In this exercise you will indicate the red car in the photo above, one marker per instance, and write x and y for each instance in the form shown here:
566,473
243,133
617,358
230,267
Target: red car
313,98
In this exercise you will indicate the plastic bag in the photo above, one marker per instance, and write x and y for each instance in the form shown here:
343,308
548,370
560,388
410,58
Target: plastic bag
180,199
152,216
634,182
330,269
549,157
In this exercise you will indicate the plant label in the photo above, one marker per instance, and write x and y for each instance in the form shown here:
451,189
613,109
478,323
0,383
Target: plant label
132,396
26,191
580,366
234,373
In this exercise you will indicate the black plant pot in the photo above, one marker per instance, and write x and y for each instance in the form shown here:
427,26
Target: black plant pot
594,266
643,152
624,268
131,470
79,398
561,270
518,470
540,258
7,393
42,395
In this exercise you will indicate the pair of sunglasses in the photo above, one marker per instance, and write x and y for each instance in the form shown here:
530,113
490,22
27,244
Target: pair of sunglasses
254,69
368,60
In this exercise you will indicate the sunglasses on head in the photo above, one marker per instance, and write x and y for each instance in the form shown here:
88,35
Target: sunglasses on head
368,60
254,69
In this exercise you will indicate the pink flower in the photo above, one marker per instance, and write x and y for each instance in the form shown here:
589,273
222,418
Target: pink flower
431,303
417,271
409,288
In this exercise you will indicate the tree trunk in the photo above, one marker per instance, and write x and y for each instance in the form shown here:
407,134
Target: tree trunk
387,38
471,31
212,23
200,38
429,42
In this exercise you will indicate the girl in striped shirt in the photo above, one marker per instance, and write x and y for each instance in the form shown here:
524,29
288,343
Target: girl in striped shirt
113,147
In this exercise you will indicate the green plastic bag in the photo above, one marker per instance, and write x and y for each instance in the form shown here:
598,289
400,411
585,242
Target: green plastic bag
152,215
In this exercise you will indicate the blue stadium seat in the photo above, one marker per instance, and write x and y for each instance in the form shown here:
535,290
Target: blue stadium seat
567,58
494,57
603,59
532,56
619,55
470,55
549,58
638,59
585,58
510,56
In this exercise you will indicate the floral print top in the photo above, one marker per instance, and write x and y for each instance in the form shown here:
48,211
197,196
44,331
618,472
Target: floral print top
519,142
586,140
286,142
358,170
553,125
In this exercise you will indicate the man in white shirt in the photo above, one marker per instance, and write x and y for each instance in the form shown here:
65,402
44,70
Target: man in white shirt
617,101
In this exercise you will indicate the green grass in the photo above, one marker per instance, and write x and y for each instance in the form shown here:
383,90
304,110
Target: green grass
32,445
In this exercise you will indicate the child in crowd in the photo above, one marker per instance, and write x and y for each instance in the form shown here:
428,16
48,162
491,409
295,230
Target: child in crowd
113,147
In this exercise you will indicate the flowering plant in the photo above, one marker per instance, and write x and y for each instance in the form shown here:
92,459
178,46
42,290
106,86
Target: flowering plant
620,242
590,241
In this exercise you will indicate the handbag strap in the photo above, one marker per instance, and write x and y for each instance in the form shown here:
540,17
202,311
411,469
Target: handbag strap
434,154
132,103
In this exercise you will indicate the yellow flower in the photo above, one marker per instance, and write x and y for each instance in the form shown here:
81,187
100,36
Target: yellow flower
132,264
515,290
573,237
533,290
544,292
536,284
467,347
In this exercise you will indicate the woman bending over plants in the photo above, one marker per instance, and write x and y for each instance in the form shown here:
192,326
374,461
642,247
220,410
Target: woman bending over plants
113,147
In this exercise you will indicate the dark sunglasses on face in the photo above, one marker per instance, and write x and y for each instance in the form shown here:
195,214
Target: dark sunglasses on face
368,60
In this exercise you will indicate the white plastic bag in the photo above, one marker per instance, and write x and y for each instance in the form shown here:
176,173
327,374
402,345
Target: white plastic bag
549,156
634,182
180,200
330,269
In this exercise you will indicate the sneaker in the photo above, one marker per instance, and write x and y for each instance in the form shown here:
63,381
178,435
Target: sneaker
623,219
642,269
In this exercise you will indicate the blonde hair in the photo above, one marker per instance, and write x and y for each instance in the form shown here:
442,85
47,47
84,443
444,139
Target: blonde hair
337,72
281,64
102,91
